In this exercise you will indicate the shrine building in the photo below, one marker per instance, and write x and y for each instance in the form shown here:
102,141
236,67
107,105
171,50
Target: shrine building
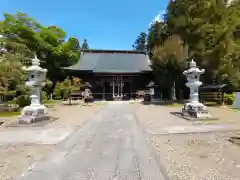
113,73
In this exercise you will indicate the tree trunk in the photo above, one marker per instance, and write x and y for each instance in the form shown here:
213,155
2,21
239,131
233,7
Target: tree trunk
70,98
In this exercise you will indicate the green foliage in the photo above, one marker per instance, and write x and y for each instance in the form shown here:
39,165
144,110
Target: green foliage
47,88
74,44
169,60
65,88
22,38
209,29
172,53
85,45
157,34
229,98
48,42
44,96
12,79
22,100
209,32
141,42
58,91
9,114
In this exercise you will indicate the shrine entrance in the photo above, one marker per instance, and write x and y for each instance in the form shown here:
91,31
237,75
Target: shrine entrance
115,87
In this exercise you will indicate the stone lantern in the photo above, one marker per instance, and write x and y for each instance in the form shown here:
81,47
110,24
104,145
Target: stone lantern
36,79
194,108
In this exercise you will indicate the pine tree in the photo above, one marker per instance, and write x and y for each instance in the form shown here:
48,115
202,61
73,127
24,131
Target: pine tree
85,45
141,42
157,34
209,29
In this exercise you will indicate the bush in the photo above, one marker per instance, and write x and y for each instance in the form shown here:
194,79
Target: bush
23,100
44,96
229,98
48,87
58,92
64,89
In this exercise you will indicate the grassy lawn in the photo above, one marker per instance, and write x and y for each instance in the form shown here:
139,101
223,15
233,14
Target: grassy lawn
100,102
9,114
176,105
234,109
51,102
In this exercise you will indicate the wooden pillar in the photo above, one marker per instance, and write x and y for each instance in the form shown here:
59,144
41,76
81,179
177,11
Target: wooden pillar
121,84
103,88
130,87
113,86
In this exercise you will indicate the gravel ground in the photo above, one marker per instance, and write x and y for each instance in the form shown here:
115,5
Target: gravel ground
15,159
72,116
205,156
155,117
198,156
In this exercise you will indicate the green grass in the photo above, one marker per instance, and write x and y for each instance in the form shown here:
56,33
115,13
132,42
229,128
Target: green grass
9,114
99,103
235,109
51,102
176,105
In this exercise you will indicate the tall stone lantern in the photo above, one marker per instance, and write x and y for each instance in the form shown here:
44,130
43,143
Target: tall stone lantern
194,108
36,79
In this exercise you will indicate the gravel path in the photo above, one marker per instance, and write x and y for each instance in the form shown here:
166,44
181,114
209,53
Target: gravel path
111,146
196,156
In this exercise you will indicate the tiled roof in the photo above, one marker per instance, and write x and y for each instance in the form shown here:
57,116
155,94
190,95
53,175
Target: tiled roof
100,61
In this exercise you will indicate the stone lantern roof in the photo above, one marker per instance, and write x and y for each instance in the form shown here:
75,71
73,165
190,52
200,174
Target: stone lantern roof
193,69
35,66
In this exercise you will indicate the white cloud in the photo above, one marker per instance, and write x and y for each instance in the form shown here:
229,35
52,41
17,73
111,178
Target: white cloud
158,18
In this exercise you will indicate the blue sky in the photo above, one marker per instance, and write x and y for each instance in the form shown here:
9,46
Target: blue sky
106,24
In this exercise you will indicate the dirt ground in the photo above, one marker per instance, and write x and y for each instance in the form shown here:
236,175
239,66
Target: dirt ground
15,159
193,156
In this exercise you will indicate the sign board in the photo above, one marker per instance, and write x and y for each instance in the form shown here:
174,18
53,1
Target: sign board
236,103
152,91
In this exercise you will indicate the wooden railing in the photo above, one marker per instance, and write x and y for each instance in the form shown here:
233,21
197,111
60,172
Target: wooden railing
211,96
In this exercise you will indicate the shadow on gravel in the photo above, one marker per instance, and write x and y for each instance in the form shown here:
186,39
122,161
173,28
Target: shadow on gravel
235,140
164,103
190,118
42,123
179,115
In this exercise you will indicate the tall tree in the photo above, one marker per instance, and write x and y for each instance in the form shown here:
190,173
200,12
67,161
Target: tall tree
168,61
85,45
208,28
141,42
46,41
74,44
157,34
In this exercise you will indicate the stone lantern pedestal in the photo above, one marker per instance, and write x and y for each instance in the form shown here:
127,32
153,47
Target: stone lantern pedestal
194,108
35,111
